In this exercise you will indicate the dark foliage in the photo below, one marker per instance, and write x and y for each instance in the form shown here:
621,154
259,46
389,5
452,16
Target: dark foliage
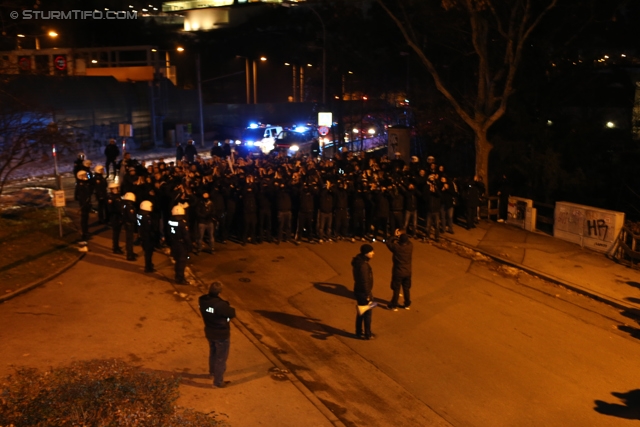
94,393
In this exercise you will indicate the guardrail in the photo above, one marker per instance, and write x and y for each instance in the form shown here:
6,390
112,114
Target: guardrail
544,216
625,249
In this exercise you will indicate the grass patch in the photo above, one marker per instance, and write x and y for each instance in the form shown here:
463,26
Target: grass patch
31,246
95,393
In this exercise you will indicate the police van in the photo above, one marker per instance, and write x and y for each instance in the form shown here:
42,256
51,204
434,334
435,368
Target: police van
259,138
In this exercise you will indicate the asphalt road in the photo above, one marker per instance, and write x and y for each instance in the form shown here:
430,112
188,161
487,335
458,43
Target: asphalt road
476,348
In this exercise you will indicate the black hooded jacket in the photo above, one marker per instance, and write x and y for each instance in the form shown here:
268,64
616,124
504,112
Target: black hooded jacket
362,275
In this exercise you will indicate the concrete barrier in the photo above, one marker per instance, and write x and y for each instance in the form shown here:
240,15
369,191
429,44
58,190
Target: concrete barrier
587,226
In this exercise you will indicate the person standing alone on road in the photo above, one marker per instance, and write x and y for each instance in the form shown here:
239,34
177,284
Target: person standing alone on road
363,289
402,250
217,313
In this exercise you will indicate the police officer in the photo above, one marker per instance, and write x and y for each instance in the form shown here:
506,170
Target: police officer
217,313
147,235
129,220
83,195
100,190
114,205
180,242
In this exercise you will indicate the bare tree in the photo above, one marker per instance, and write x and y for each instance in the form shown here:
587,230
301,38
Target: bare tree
497,31
25,137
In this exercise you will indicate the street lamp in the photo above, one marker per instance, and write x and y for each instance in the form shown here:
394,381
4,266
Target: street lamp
199,81
247,73
324,47
51,34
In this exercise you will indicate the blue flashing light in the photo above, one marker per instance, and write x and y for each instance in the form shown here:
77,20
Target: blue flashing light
301,129
253,126
250,143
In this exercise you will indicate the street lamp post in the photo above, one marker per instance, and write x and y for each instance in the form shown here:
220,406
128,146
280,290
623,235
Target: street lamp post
324,47
200,100
324,56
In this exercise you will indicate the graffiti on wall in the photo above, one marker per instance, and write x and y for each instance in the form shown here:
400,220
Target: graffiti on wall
597,225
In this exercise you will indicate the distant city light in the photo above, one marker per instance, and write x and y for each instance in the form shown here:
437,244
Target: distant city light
144,10
52,34
611,125
350,72
549,123
356,130
606,57
263,58
180,49
623,55
131,6
287,64
309,65
371,131
94,61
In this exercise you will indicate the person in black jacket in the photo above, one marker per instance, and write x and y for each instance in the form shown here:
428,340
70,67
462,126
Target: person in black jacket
402,250
111,152
147,234
129,219
83,195
99,183
363,289
180,242
205,211
217,313
249,210
114,204
190,152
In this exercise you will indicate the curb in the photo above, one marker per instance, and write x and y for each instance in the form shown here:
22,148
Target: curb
39,282
292,377
572,286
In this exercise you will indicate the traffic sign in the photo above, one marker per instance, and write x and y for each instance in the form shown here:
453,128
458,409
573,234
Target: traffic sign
24,63
59,199
60,62
323,130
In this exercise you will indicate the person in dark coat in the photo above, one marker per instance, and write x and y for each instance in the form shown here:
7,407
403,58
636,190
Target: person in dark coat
111,152
472,201
129,219
147,234
205,211
217,313
99,183
249,210
433,195
325,212
84,191
180,242
402,250
363,289
504,191
179,152
114,205
283,207
190,152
